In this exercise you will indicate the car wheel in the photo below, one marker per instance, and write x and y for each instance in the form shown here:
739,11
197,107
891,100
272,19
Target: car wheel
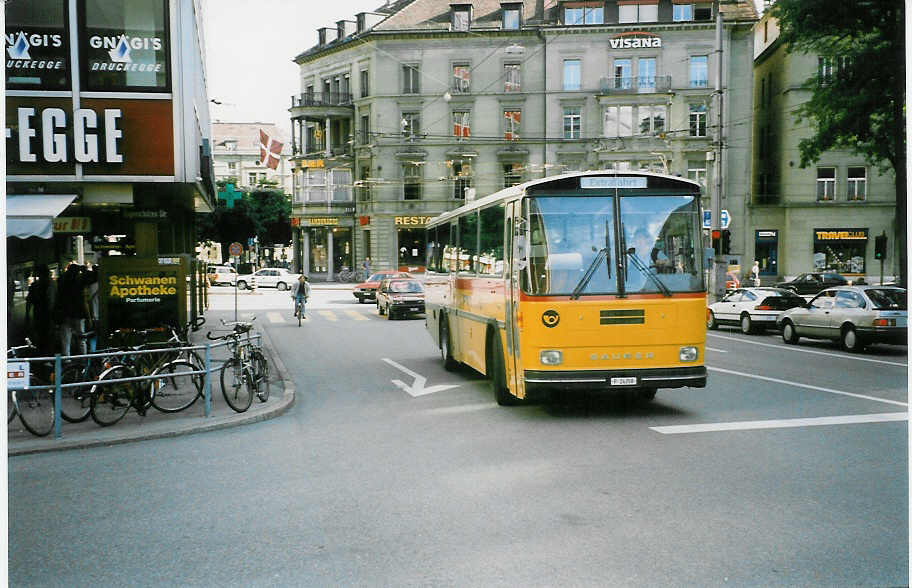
242,285
282,286
361,300
789,335
850,340
711,323
747,325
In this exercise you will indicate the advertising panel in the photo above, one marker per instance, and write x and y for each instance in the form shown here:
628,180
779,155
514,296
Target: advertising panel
37,45
141,293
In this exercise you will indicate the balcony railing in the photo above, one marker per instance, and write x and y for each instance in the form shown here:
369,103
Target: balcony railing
635,84
322,99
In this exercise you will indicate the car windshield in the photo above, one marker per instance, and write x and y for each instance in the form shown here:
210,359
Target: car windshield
888,299
405,286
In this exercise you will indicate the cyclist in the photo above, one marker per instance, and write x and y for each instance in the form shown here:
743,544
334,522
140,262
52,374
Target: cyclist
300,293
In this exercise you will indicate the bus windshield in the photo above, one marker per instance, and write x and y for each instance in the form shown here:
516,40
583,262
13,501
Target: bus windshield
572,248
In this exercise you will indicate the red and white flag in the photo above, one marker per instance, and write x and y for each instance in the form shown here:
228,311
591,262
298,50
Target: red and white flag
270,151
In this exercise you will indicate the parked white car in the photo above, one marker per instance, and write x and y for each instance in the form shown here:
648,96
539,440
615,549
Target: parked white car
754,309
268,277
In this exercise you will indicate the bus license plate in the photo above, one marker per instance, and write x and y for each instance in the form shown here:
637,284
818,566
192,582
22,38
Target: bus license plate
414,309
623,381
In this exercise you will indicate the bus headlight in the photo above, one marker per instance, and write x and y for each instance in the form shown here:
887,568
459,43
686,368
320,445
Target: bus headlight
551,357
688,353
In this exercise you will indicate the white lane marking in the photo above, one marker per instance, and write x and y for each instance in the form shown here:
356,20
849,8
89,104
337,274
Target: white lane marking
461,409
799,349
417,388
808,386
783,423
714,349
275,317
356,315
329,315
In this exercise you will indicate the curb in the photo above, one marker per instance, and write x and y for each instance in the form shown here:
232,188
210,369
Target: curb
204,424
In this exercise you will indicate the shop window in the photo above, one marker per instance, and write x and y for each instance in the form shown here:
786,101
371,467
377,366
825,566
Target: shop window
22,65
462,77
411,180
826,184
412,248
319,257
342,248
572,73
491,242
618,121
468,242
410,79
511,77
572,122
697,120
699,71
843,256
857,180
512,119
462,127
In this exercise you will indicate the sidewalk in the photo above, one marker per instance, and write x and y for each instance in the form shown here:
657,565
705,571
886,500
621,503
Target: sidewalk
156,424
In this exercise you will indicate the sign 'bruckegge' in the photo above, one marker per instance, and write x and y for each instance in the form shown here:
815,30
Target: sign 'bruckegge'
45,132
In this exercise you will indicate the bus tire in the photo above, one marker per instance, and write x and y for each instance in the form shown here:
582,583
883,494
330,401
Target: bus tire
647,394
498,375
446,350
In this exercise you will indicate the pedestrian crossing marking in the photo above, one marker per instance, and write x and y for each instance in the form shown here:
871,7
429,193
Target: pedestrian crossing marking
329,315
356,315
275,317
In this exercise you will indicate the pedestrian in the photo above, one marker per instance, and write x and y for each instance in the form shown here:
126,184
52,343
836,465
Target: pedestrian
39,305
755,274
72,308
366,267
300,293
91,280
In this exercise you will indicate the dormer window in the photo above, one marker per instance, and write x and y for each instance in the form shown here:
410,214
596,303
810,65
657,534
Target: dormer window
638,11
461,17
512,16
584,13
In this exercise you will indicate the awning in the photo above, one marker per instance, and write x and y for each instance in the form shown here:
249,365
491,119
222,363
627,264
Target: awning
32,215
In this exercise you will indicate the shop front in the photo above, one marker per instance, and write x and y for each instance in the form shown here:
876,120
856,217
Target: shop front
766,251
325,247
841,250
411,243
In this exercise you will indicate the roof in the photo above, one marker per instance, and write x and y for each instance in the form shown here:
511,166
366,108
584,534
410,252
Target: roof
247,135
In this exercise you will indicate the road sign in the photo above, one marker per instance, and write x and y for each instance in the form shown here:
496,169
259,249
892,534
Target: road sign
235,249
17,374
707,219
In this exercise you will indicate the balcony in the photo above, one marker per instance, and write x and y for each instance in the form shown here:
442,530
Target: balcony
322,105
635,85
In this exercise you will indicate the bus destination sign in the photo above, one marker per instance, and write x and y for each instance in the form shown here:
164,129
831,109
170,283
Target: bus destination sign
614,182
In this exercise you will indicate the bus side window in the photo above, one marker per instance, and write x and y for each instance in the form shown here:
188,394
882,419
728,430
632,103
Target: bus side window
450,260
468,241
491,245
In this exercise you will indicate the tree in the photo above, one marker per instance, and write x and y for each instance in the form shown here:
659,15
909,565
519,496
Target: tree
861,105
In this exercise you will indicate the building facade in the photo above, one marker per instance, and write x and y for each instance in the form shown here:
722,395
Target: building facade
822,217
236,155
406,113
108,150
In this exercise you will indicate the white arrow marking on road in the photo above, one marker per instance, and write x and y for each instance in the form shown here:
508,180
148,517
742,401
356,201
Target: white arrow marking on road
417,388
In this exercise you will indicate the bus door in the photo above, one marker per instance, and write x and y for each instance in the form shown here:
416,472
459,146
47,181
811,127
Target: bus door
516,247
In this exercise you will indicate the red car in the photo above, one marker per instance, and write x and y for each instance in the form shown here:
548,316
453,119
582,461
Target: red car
368,290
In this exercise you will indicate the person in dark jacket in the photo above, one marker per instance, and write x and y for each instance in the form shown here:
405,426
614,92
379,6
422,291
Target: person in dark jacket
72,308
39,306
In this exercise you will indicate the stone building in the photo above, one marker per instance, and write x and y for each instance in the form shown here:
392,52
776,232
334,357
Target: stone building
407,112
236,154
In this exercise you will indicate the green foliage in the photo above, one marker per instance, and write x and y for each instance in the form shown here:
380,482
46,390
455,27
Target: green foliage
263,213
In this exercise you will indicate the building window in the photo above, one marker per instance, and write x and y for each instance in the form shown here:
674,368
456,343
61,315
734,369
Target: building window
651,119
462,174
857,179
699,71
410,125
251,178
623,73
232,167
512,174
511,124
696,171
590,13
511,17
462,127
682,12
410,81
829,67
462,17
511,77
638,12
572,122
365,83
647,72
703,11
462,78
411,180
826,184
365,129
572,74
697,120
618,121
365,188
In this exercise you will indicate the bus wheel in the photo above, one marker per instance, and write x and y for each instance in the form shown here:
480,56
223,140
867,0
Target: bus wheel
647,393
498,374
446,351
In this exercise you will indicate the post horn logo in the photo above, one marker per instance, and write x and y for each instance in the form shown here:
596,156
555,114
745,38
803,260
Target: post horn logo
550,318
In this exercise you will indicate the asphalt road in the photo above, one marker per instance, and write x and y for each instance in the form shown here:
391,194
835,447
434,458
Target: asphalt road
789,469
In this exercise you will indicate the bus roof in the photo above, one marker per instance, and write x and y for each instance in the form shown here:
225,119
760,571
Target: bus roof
519,189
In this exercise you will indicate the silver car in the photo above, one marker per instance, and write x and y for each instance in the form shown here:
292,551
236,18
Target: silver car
855,316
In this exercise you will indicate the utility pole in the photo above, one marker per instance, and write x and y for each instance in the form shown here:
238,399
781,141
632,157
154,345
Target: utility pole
719,261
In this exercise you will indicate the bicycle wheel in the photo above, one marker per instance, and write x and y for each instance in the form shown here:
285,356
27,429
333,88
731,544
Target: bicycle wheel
238,385
299,310
179,388
75,401
10,407
261,374
110,402
36,410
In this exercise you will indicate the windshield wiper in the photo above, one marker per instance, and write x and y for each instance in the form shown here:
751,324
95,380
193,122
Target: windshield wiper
590,271
642,267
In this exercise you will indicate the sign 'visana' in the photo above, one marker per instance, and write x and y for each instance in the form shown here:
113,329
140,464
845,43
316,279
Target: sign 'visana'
635,40
45,134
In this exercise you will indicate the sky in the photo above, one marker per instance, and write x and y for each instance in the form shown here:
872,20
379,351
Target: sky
249,51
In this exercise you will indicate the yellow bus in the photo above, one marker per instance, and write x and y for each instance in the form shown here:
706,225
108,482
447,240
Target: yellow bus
583,281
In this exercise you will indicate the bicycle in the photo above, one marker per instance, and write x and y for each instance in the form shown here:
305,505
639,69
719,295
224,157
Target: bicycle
35,407
237,378
299,310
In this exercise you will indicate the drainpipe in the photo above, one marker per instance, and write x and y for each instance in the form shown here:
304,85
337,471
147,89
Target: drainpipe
544,41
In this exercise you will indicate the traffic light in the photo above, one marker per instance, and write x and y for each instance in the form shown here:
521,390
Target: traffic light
717,247
726,241
880,247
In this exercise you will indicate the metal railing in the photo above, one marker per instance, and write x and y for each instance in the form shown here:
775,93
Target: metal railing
58,361
322,99
635,84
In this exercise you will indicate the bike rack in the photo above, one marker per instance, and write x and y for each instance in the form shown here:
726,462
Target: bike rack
58,360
